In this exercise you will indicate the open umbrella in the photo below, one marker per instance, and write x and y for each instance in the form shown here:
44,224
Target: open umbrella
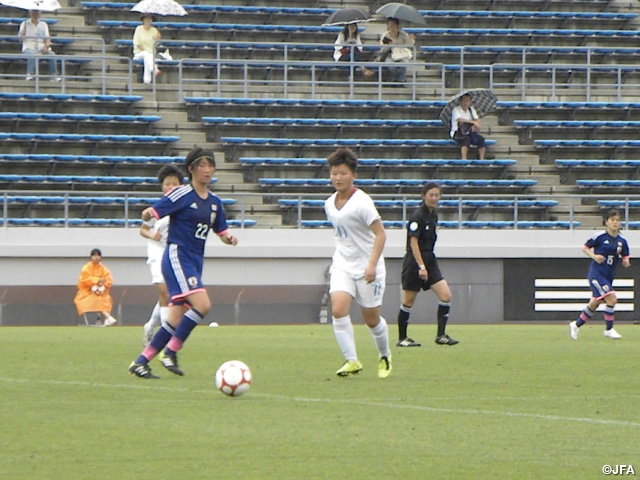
401,11
347,16
42,5
160,7
482,100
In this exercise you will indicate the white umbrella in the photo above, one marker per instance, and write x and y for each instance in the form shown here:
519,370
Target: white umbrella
159,7
42,5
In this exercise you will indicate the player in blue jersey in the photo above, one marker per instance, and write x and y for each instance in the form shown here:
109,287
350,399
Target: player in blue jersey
194,211
605,249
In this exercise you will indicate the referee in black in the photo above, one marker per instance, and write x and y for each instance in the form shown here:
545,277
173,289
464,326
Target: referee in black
420,268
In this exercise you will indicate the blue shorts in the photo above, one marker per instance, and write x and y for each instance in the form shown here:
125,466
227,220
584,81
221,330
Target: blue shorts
600,286
182,271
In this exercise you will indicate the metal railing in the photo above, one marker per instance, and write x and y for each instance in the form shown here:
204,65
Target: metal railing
128,206
68,62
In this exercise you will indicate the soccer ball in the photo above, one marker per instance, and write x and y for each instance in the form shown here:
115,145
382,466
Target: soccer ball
233,378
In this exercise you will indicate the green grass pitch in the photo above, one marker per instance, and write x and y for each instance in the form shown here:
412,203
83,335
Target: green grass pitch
510,401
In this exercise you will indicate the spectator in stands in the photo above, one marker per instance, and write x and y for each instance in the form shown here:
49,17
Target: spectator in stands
357,269
349,41
465,125
395,50
195,212
420,270
156,231
94,283
605,248
34,35
144,39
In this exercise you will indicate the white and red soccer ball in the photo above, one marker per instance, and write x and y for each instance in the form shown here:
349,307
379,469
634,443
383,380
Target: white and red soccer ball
233,378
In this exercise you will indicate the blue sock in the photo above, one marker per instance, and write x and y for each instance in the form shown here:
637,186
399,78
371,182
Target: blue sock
609,316
158,342
585,315
187,324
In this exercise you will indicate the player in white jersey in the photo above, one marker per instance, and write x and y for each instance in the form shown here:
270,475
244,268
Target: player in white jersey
156,231
357,269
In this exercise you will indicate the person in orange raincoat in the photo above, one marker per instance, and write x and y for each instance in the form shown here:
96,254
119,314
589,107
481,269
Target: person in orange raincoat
94,283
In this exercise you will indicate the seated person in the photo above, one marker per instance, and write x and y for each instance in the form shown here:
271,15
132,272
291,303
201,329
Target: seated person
29,30
94,283
349,40
395,50
144,38
465,125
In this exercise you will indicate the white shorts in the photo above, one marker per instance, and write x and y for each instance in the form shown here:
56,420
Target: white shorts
368,295
155,266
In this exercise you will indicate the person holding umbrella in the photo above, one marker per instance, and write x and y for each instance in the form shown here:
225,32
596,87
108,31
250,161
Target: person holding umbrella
465,125
143,45
348,40
34,35
395,50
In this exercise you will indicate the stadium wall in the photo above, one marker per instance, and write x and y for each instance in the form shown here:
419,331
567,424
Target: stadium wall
278,275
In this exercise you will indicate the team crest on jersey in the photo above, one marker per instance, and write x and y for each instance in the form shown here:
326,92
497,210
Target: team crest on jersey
214,214
619,249
413,226
192,281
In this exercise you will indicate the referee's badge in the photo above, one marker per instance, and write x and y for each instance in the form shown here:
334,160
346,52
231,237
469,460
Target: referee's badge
413,226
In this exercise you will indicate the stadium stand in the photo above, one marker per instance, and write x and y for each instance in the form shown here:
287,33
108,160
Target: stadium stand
259,133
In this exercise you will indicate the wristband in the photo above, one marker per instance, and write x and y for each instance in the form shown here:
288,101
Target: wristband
421,267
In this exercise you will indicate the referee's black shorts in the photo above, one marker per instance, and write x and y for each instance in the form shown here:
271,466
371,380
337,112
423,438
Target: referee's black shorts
411,280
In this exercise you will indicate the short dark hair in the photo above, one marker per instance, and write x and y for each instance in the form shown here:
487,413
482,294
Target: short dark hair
394,20
343,156
96,251
608,214
170,171
195,155
430,185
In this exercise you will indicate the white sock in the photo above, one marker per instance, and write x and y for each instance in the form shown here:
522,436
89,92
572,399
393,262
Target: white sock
156,316
164,315
343,330
380,334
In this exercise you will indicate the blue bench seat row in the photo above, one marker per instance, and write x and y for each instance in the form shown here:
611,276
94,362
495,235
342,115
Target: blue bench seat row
100,179
110,159
399,182
563,105
476,224
528,14
65,97
94,222
279,10
520,49
18,20
590,184
78,137
306,102
78,117
218,8
619,203
572,163
331,122
524,32
229,27
342,142
576,123
319,203
376,162
586,143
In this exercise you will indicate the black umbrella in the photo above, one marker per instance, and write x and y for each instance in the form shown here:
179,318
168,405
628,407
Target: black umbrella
482,100
347,16
401,11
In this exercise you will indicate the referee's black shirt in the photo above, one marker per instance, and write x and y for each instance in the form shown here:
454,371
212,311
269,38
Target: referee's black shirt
422,225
